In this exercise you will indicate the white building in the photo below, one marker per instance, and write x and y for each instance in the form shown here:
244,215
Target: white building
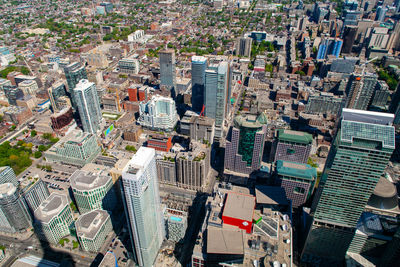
135,36
159,113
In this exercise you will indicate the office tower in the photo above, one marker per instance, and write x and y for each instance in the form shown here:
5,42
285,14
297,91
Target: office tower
88,106
298,180
329,47
129,65
7,175
360,153
74,72
349,36
92,191
142,206
216,88
243,46
167,68
360,90
53,218
159,113
395,106
202,129
12,93
380,13
56,91
192,166
14,216
244,151
199,65
381,96
320,11
291,146
92,229
34,191
76,148
325,103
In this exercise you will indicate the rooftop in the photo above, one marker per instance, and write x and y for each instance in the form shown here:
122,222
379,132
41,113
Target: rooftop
33,261
84,180
7,189
294,169
294,136
88,224
224,241
239,206
108,260
139,161
271,195
51,207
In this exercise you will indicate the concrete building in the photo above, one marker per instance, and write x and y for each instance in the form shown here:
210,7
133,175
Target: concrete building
159,113
166,168
129,65
28,87
132,134
202,129
291,146
92,229
324,103
34,192
96,58
245,148
74,72
297,179
92,191
160,142
361,151
76,148
192,166
199,66
243,46
53,218
7,175
360,90
14,215
88,106
17,115
142,206
12,93
167,68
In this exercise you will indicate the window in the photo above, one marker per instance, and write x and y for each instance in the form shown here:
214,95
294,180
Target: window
299,190
290,151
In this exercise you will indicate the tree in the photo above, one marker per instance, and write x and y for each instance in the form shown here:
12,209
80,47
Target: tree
42,148
130,148
33,133
37,154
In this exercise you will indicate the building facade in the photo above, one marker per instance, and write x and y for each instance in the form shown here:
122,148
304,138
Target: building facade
34,193
7,175
199,66
88,105
159,113
360,91
56,91
243,47
142,206
128,65
202,129
74,72
291,146
167,68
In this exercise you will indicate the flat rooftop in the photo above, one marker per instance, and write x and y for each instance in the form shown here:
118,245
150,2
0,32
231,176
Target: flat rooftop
239,206
294,169
88,224
271,195
33,261
51,207
139,161
83,180
224,241
294,136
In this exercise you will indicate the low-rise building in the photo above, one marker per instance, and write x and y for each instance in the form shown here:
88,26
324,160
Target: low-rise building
160,142
132,134
53,218
129,65
202,129
92,229
17,115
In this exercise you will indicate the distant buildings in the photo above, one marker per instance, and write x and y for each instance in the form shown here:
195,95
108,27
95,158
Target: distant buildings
356,161
14,215
76,148
7,175
142,206
167,68
53,218
159,113
92,229
93,191
292,146
243,47
88,106
199,65
244,150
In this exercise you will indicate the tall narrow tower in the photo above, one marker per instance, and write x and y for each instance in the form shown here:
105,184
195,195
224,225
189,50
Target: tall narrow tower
167,68
142,206
356,161
199,65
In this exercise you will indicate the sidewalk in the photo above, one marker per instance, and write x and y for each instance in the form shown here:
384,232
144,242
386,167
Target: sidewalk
20,236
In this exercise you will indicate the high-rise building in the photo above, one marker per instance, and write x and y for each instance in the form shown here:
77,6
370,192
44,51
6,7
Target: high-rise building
243,46
291,146
159,113
34,193
380,97
92,229
166,168
14,215
74,72
360,90
349,36
76,148
107,6
216,90
361,151
395,106
12,93
53,218
298,180
202,129
199,65
7,175
92,191
28,87
56,91
142,206
192,167
324,103
88,106
167,68
380,13
244,150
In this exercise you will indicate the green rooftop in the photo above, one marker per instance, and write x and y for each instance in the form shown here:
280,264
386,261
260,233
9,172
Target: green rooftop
294,136
294,169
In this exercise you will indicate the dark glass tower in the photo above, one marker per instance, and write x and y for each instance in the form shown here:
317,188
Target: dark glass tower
199,65
74,72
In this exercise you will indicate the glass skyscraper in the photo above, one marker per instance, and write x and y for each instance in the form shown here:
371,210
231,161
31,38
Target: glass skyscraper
199,65
88,105
56,91
142,206
356,161
74,72
167,68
